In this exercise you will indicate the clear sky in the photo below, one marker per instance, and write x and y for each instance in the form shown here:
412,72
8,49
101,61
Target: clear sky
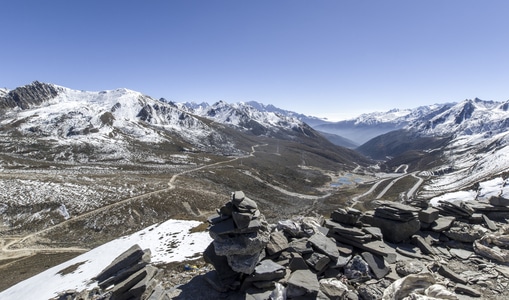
328,58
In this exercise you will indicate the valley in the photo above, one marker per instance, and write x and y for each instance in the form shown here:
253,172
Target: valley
80,169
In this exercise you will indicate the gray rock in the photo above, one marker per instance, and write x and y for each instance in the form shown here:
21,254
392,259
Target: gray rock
499,201
374,231
246,205
342,261
373,290
428,215
135,285
407,267
245,263
423,245
277,243
376,264
124,261
297,263
243,244
357,269
442,223
461,253
318,261
324,245
466,290
224,276
448,273
302,282
489,223
333,288
301,246
396,211
348,216
237,197
268,270
393,230
242,220
464,232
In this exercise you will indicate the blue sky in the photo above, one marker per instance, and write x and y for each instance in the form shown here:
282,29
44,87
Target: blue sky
318,57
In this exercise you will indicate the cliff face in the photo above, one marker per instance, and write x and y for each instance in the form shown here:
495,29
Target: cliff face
29,95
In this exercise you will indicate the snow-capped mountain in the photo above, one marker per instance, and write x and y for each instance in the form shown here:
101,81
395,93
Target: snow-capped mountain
369,125
466,118
457,145
117,125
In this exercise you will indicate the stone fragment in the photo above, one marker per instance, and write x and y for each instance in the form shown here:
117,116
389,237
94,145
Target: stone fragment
464,232
246,205
401,288
333,288
225,275
373,289
374,231
461,209
377,264
123,262
324,245
242,244
241,220
277,243
268,270
348,216
407,267
135,285
297,263
461,253
302,282
442,223
489,223
466,290
428,215
344,249
396,211
301,246
257,294
245,263
448,273
393,230
357,269
423,245
499,201
318,261
342,261
237,197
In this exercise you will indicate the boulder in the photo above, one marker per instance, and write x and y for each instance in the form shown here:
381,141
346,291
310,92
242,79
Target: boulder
377,264
393,230
124,261
277,243
302,283
324,245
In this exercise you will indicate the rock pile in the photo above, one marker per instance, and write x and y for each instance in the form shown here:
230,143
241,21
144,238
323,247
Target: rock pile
129,276
392,252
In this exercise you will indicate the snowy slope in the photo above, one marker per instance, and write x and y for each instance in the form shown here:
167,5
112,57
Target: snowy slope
168,242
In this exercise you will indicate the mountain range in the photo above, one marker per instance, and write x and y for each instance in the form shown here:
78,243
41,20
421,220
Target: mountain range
80,168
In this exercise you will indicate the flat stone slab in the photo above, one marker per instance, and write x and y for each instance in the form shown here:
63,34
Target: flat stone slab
278,242
429,215
268,270
377,264
448,273
302,282
460,253
442,223
324,245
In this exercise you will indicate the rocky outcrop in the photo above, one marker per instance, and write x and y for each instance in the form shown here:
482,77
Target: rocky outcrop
129,276
393,252
29,95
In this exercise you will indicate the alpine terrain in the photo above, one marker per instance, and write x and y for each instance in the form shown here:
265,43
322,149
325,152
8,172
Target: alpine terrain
117,195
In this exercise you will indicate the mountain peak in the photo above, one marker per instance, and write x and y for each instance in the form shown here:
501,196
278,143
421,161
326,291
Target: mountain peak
32,94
